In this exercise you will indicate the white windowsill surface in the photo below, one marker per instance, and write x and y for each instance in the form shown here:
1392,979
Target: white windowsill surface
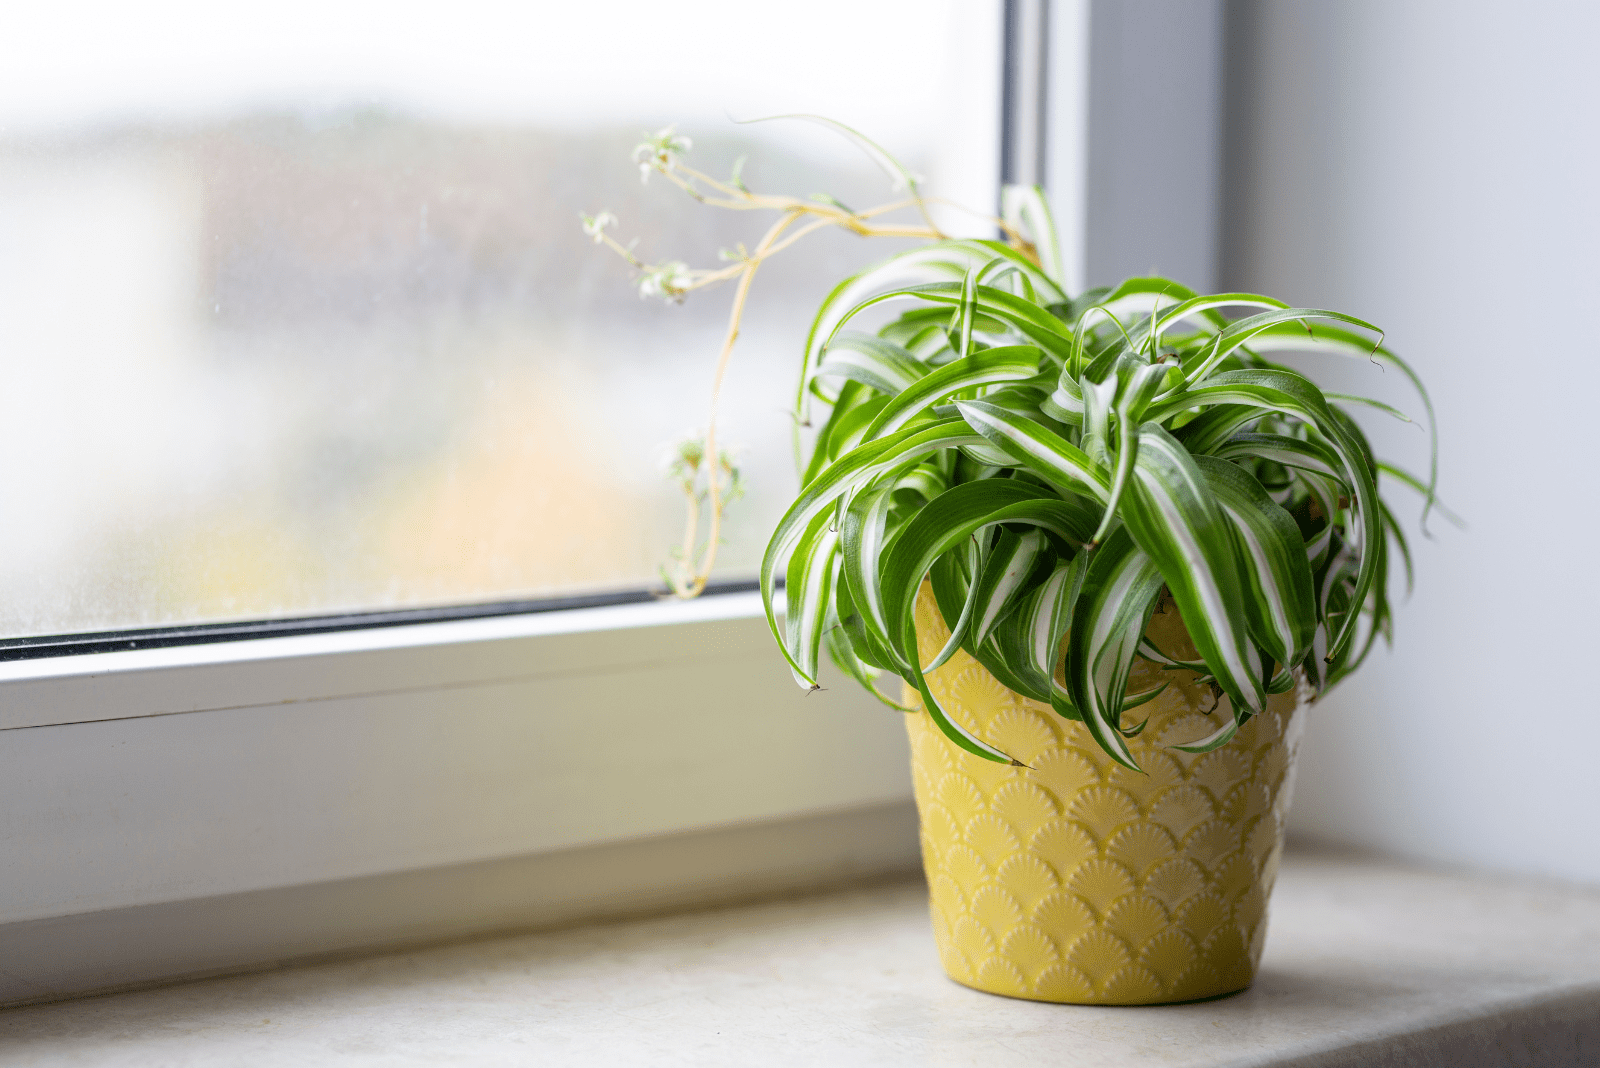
1368,964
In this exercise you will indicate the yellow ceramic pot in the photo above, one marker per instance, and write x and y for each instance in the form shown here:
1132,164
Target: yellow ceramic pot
1077,880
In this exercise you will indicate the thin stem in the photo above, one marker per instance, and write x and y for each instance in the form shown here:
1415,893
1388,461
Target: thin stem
866,231
1013,235
621,250
722,187
922,209
703,572
690,530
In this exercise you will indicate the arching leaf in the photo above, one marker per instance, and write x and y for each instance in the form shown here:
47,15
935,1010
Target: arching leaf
1025,209
1038,448
1290,394
872,361
1173,516
1012,363
1119,591
1279,603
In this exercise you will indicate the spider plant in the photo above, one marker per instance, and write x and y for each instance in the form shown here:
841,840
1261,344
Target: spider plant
1051,463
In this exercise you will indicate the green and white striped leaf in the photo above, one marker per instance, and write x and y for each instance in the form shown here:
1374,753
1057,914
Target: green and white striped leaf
870,650
1209,431
1273,324
845,429
811,572
1151,651
843,655
1288,393
925,480
872,361
993,460
1038,448
1279,602
1326,494
1173,516
1012,560
931,263
1046,621
1098,397
1325,338
1012,363
976,559
850,473
952,730
955,515
1066,402
944,524
1035,324
1229,726
1028,644
824,447
950,591
1298,453
1205,309
1143,296
851,651
1136,384
863,535
966,312
1119,591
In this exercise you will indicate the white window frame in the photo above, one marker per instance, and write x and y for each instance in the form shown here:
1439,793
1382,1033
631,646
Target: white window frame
144,791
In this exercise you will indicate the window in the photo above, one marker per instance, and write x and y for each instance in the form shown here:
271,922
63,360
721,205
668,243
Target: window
299,318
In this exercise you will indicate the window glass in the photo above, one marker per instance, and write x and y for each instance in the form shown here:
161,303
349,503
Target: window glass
296,315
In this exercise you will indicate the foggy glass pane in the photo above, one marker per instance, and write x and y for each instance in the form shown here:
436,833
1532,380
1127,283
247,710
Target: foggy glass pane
296,315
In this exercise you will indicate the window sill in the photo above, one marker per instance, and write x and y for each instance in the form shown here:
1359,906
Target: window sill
1368,964
160,778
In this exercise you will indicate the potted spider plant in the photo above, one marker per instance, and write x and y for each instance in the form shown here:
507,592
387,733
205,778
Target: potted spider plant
1109,549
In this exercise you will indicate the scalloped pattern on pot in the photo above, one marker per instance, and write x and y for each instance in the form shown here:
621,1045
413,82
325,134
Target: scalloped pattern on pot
1077,880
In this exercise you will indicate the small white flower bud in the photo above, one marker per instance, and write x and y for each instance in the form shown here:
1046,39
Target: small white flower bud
595,225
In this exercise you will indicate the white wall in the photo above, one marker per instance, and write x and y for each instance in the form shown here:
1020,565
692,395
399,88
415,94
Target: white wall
1434,167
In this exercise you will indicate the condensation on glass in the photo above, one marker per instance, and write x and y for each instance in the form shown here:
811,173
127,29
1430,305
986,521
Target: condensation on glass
296,315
